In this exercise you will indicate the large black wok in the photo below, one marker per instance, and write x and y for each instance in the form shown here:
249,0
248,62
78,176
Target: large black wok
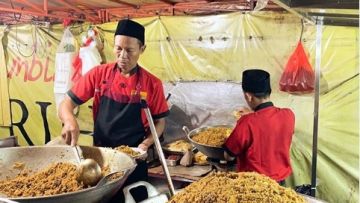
210,151
37,158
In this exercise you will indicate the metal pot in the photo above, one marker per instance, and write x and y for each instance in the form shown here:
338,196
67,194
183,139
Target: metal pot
210,151
36,158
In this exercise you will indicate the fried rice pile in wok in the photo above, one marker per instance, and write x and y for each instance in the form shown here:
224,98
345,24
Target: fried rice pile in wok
215,136
231,187
55,179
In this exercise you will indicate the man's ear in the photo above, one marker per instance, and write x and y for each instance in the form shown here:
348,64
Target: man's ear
248,96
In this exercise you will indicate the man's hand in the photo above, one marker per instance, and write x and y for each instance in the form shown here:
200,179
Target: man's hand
70,132
143,147
241,112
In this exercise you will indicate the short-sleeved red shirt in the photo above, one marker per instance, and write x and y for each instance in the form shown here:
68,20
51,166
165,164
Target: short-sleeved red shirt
94,82
261,141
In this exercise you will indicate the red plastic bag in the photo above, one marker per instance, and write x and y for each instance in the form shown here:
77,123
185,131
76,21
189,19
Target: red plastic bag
298,76
77,66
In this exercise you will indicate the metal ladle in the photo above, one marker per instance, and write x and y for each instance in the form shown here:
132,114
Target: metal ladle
89,171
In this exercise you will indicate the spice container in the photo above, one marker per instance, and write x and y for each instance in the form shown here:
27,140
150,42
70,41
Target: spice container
172,160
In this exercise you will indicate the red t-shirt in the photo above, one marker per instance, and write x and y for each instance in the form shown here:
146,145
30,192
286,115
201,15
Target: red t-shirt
261,141
94,82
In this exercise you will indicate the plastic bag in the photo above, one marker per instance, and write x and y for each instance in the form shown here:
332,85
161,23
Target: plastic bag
89,55
77,64
65,54
261,4
67,43
298,76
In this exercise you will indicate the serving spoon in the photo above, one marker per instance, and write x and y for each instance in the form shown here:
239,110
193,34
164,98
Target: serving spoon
89,171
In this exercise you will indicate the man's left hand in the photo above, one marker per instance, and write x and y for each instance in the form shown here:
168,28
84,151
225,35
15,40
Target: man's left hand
143,147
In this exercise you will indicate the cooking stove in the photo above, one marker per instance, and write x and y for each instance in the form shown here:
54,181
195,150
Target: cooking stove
222,165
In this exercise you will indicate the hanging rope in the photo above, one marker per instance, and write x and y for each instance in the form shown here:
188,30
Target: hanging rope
302,29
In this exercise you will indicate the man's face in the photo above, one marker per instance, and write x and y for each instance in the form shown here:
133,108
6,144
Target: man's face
127,51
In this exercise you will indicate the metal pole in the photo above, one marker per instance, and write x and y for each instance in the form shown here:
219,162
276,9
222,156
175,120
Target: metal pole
46,7
319,24
158,147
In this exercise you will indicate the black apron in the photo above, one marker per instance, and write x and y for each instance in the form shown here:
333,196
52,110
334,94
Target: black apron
120,124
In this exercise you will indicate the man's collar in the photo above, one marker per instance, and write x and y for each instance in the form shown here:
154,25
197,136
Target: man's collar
132,72
263,105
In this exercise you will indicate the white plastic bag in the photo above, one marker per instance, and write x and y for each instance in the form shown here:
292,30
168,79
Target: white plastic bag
260,4
67,43
89,51
65,54
90,58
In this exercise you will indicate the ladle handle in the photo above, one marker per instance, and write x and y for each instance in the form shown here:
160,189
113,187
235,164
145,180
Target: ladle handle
158,147
186,129
79,153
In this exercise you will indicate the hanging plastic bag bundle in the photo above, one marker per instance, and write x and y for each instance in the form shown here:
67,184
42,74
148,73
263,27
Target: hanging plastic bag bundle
65,54
89,55
298,76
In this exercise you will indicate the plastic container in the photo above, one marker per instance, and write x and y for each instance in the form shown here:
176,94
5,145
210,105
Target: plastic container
153,194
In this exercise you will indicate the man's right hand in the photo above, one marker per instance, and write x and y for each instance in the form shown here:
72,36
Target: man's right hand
70,132
241,112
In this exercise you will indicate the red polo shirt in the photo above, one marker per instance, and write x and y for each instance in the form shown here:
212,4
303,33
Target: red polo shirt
94,83
261,141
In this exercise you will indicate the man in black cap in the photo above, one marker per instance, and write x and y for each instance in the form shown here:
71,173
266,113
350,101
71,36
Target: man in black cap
116,89
261,139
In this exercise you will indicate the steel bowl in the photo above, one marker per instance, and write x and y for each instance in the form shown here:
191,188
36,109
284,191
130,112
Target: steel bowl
39,157
210,151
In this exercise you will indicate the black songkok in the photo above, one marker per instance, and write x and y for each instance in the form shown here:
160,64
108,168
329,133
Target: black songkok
132,29
256,81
